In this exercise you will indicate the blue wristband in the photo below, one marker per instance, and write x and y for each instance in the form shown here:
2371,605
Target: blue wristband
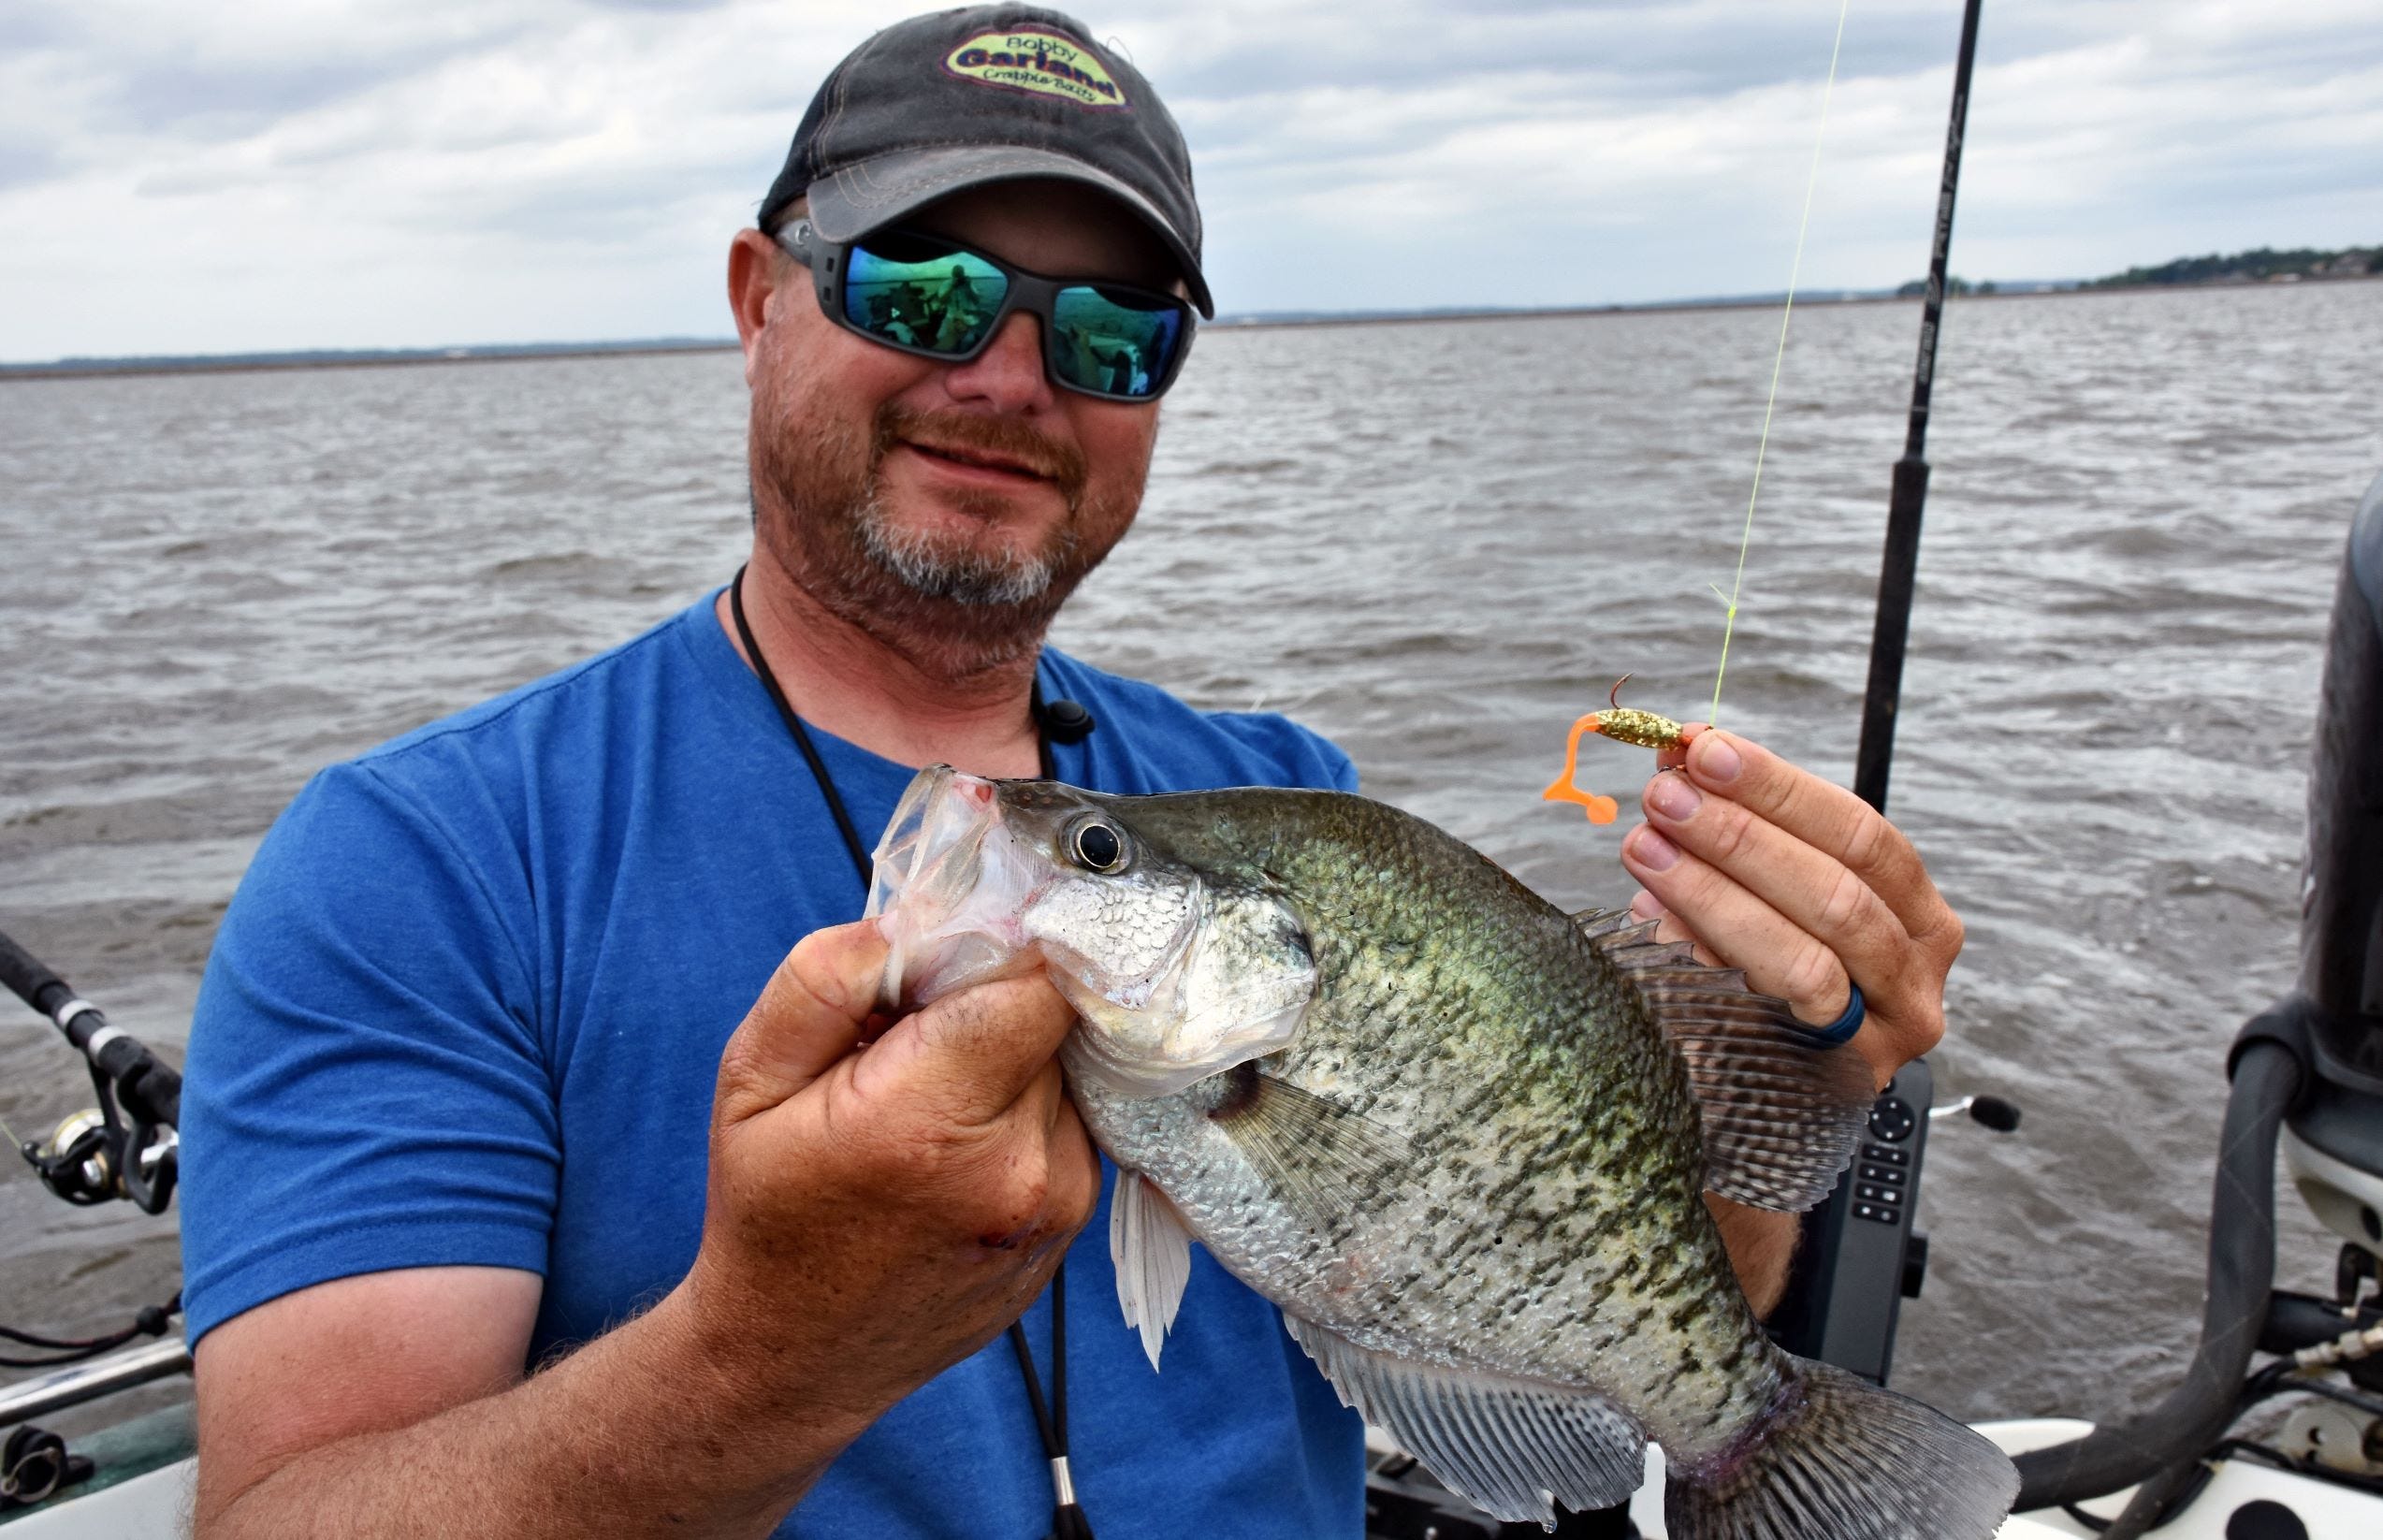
1840,1031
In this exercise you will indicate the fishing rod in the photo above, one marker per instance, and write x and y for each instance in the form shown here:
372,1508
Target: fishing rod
1898,568
127,1147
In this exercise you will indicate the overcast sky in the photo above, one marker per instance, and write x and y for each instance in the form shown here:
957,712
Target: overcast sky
271,174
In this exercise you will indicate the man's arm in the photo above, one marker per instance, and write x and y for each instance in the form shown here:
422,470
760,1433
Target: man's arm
1761,1249
393,1404
875,1213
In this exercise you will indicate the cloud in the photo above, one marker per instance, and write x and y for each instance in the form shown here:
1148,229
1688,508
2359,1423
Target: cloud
2096,127
23,162
336,172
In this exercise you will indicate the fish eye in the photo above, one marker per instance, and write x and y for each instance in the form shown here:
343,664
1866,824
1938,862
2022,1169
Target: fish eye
1098,847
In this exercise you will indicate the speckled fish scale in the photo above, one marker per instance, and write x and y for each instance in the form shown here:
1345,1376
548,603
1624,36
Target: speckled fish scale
1541,1218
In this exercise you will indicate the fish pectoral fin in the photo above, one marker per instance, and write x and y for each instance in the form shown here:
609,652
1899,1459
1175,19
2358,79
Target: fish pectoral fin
1151,1249
1326,1161
1506,1445
1779,1112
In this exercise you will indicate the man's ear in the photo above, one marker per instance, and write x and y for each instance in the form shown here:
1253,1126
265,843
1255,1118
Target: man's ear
756,268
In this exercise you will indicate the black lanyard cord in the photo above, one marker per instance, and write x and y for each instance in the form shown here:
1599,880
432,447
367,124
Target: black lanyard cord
859,853
1068,1521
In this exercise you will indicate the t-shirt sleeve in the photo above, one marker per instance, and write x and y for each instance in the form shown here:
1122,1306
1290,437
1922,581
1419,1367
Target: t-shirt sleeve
365,1088
1339,765
1297,756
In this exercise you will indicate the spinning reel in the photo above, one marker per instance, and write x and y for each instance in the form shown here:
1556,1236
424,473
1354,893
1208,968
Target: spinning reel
95,1155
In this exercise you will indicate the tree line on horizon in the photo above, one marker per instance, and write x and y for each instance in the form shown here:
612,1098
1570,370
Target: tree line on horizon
2256,265
2260,264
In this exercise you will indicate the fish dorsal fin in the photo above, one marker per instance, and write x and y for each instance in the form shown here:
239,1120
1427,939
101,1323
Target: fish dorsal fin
1780,1112
1152,1252
1326,1161
1506,1445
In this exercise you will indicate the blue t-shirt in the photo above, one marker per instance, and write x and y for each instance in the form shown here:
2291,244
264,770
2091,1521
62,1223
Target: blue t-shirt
468,1005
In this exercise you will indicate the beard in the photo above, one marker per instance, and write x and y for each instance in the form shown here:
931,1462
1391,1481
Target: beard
955,604
958,573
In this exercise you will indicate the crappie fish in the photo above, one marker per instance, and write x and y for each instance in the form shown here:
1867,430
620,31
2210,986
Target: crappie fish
1461,1138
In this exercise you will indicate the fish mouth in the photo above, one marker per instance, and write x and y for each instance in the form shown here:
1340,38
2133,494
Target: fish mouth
955,890
943,925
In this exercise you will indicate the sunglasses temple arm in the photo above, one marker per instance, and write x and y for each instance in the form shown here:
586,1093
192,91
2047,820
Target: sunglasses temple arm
795,240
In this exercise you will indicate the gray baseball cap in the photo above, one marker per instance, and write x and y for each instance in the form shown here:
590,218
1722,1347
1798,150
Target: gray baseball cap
989,94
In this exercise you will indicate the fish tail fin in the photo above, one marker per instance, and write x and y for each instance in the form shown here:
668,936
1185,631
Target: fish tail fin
1847,1460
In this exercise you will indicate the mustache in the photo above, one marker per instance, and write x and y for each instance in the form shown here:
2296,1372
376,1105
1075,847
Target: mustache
995,438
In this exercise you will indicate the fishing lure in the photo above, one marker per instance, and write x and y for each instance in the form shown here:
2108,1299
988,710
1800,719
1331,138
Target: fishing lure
1623,724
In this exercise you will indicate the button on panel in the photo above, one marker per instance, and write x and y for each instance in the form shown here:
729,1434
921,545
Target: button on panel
1892,1120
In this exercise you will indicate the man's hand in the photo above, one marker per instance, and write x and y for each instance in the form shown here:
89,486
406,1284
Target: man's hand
1771,869
877,1211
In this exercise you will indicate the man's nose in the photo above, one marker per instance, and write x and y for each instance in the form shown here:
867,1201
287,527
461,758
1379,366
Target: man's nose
1008,375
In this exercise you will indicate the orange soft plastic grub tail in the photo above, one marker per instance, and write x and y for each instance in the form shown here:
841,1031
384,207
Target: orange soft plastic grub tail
1623,725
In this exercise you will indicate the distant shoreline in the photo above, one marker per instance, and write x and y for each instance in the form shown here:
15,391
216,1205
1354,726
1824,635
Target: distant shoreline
100,369
543,353
1831,299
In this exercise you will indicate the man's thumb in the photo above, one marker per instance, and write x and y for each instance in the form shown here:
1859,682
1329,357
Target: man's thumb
811,1012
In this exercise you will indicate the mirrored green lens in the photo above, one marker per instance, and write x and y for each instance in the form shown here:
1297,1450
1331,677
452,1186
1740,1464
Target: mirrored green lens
1115,341
922,293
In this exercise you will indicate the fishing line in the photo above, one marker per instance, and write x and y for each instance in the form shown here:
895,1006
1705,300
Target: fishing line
1793,271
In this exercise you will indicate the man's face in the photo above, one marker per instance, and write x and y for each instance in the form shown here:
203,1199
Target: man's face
954,505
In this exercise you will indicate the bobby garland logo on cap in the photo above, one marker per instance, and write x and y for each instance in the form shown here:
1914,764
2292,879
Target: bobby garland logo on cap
1041,62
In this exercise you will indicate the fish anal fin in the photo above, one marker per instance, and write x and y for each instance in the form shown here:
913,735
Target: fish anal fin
1326,1161
1508,1446
1151,1248
1780,1112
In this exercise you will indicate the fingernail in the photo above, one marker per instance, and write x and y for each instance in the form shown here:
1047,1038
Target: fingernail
1646,906
1651,850
1716,757
1672,796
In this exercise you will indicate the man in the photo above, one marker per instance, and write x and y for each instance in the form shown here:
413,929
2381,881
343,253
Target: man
961,315
536,1187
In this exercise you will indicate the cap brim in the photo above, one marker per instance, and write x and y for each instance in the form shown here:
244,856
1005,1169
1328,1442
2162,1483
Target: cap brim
872,194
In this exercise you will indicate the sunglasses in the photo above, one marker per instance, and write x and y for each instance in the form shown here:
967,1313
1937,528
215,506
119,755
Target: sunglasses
923,295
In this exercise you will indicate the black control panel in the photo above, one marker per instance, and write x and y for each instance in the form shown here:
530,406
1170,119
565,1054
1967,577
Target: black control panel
1860,1258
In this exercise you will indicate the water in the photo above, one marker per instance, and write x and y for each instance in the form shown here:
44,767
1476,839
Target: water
1436,544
